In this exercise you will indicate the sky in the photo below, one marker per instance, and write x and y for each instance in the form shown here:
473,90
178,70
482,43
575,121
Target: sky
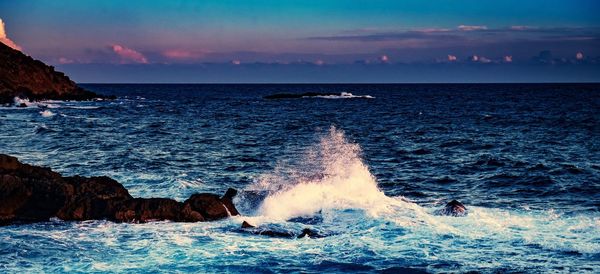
310,41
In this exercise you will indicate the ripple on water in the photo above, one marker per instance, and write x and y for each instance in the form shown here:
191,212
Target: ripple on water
527,176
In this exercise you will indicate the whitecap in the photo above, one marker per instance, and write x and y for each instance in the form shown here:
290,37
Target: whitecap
19,102
343,95
83,107
47,113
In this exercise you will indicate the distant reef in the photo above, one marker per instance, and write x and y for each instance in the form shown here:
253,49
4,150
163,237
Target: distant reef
326,95
36,194
299,95
23,76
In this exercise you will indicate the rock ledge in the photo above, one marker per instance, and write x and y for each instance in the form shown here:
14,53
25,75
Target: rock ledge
35,194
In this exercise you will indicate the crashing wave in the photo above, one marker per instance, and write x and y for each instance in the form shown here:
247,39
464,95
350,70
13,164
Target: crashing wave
332,184
330,177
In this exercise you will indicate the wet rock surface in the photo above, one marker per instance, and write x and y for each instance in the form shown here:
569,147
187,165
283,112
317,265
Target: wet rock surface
33,194
454,208
278,233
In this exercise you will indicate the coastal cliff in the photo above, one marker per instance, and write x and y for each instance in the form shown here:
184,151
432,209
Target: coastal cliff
21,75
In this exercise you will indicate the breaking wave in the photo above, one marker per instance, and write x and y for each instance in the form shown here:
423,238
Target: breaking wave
331,176
332,181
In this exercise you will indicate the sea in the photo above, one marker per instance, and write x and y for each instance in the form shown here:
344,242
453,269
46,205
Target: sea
367,168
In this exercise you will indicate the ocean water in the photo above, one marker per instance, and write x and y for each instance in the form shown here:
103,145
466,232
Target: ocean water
367,169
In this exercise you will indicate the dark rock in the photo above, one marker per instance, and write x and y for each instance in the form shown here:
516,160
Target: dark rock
208,205
32,194
227,200
22,76
248,228
153,209
247,225
453,208
307,232
29,194
93,198
273,233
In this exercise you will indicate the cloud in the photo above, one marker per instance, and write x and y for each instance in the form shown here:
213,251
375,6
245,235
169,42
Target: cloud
128,55
183,54
471,28
451,58
469,36
64,60
4,39
521,28
391,36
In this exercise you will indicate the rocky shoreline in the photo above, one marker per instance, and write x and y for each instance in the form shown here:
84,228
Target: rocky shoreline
24,77
36,194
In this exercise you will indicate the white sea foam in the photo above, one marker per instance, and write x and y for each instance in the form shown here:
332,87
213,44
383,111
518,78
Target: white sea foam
331,176
83,107
23,102
344,95
47,113
41,104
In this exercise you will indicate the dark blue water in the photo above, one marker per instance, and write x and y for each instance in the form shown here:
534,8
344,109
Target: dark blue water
525,159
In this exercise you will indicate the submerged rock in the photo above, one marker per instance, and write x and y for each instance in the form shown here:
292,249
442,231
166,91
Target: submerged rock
32,194
307,232
453,208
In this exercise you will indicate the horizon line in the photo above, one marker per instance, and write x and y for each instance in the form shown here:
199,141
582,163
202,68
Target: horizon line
335,83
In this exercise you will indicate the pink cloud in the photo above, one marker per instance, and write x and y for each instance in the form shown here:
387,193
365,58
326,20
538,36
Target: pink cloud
183,54
471,28
451,58
4,39
521,27
64,60
128,55
432,30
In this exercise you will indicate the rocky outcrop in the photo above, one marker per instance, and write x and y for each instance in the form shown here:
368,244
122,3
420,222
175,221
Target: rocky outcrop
33,194
23,76
306,232
453,208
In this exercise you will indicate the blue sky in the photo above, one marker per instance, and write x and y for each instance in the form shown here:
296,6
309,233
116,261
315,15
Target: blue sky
73,33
